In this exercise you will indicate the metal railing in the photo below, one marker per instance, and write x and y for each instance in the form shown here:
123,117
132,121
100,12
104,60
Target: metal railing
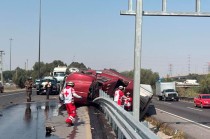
122,121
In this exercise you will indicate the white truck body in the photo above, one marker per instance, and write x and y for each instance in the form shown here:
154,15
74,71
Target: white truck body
59,73
191,82
166,91
146,94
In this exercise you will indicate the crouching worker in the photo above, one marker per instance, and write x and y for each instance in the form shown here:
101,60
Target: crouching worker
67,95
128,102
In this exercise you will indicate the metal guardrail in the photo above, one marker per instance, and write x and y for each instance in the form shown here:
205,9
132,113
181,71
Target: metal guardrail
122,121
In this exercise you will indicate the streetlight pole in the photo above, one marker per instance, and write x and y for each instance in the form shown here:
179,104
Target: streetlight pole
137,54
10,52
1,65
39,34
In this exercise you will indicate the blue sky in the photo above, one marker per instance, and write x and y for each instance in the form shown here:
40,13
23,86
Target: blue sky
94,32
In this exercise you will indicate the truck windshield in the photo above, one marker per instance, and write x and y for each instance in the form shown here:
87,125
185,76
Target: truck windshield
59,74
169,90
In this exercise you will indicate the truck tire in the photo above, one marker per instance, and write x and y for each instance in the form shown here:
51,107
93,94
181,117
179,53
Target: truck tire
37,92
159,98
164,98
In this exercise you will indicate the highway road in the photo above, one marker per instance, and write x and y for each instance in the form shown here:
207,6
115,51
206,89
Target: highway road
20,119
186,110
193,121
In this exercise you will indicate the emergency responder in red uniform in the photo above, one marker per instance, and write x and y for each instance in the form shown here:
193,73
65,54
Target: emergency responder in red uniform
119,95
128,102
68,94
28,85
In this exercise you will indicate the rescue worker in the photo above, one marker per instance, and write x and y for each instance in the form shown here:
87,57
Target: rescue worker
68,94
48,89
28,86
119,95
128,102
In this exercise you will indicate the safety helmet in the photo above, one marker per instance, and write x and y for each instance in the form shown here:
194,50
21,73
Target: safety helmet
70,84
120,87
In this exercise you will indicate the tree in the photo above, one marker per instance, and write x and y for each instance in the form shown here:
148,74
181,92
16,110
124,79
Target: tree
8,75
205,84
147,76
20,77
78,65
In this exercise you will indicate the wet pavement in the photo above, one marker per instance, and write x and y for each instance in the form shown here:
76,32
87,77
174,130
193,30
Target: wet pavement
27,120
22,120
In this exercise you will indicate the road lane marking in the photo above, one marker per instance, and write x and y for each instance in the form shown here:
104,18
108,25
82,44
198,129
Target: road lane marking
183,118
194,109
167,103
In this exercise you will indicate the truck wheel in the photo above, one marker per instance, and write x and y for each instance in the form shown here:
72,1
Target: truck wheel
164,98
37,92
177,99
159,98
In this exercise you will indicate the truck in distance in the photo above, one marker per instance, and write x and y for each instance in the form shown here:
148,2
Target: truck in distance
59,73
166,91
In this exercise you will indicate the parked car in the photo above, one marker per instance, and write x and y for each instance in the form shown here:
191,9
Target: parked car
41,87
36,83
1,87
202,100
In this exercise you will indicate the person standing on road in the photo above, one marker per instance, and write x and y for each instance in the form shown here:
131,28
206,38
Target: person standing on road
68,94
28,86
119,95
48,88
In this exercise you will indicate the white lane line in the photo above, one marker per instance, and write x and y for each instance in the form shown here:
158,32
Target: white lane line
10,94
194,109
167,103
184,118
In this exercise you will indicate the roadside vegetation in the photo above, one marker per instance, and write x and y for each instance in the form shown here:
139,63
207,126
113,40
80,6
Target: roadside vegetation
19,75
165,128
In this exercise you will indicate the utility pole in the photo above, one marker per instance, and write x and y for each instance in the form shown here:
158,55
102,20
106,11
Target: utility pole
139,13
1,65
27,64
170,70
40,7
189,64
10,53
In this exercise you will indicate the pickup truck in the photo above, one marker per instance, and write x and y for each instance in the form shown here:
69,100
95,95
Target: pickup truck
202,100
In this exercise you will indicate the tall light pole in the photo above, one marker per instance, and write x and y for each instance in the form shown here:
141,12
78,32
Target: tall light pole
40,7
137,54
10,52
1,65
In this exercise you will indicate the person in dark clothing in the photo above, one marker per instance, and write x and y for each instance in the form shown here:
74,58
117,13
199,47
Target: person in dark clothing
28,86
48,88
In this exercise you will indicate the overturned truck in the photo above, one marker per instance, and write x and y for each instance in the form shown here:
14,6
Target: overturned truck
88,83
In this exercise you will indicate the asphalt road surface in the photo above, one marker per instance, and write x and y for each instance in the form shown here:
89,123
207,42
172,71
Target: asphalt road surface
22,120
183,116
